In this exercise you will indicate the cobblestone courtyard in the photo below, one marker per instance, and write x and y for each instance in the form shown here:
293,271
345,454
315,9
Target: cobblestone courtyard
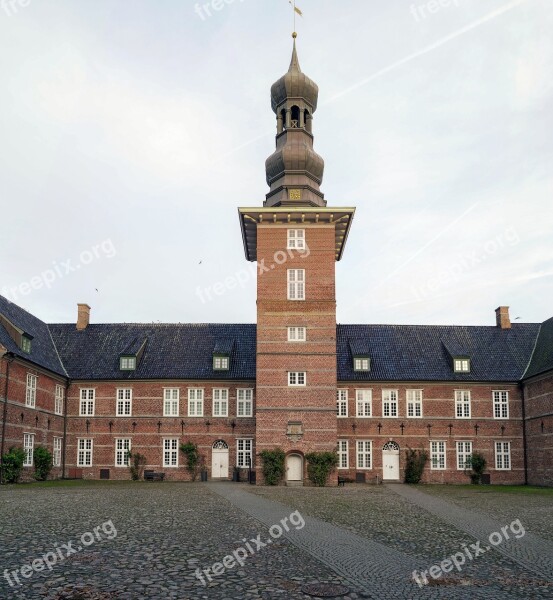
369,538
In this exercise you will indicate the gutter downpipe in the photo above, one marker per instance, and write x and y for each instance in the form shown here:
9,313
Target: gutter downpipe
524,440
67,384
8,357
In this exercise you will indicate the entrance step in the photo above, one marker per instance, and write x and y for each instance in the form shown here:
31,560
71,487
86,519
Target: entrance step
294,483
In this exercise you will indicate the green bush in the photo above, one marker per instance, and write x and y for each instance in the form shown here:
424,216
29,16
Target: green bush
478,464
42,459
12,465
137,462
414,465
194,462
273,465
320,465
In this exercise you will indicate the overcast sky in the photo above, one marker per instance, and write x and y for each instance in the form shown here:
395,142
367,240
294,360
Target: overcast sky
131,131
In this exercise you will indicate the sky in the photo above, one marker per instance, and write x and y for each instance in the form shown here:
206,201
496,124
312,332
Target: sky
131,130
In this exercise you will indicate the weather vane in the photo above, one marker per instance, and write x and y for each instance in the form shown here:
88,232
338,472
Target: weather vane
297,11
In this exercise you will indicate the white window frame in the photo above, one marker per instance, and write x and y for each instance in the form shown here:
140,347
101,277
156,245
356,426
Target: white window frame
464,454
220,402
171,453
364,400
364,455
342,403
461,365
127,363
500,404
297,378
296,239
390,404
503,456
195,402
57,448
30,391
244,402
123,402
85,449
343,454
59,397
171,402
122,449
463,409
221,363
361,364
297,334
296,284
414,404
438,455
244,447
87,402
29,448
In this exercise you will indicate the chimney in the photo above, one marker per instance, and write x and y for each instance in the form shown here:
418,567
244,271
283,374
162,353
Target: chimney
83,316
502,318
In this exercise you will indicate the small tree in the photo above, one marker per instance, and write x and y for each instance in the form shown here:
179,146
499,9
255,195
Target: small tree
137,462
42,459
194,462
414,465
320,465
273,465
12,465
477,463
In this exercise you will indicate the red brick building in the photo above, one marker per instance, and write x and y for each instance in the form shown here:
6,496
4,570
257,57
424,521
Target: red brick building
296,380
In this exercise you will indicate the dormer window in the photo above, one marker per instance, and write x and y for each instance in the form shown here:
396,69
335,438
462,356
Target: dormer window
220,362
361,363
26,344
461,365
127,363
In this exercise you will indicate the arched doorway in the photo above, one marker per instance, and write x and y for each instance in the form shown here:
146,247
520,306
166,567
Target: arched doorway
294,469
219,460
390,462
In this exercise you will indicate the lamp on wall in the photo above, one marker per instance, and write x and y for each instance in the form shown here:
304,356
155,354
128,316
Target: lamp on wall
402,426
476,428
450,429
233,424
208,424
502,430
379,427
429,429
87,425
134,426
158,426
110,425
182,426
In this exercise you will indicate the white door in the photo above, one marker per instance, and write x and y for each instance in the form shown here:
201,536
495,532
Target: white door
390,462
219,460
294,468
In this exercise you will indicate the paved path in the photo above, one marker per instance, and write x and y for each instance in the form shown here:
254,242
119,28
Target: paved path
530,551
379,571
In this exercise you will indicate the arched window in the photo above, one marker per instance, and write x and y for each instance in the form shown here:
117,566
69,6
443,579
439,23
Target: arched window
220,445
283,115
295,117
308,121
391,446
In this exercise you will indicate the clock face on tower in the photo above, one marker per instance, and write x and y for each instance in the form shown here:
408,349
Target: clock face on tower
295,194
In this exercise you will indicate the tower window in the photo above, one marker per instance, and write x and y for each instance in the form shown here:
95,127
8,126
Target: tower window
297,378
296,284
297,334
296,239
295,115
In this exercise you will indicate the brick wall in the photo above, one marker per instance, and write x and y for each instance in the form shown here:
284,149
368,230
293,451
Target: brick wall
539,429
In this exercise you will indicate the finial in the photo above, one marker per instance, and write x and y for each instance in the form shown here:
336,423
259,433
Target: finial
294,35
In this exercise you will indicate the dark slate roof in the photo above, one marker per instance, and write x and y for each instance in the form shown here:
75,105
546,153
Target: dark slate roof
542,358
172,351
422,352
43,352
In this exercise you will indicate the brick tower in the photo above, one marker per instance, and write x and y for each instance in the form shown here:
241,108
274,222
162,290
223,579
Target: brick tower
296,240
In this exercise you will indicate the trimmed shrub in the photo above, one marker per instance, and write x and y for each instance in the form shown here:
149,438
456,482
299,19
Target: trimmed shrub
12,465
320,465
273,465
42,459
414,465
194,462
478,465
137,462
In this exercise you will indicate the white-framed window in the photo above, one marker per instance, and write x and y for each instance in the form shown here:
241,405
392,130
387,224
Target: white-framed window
171,452
361,363
244,402
464,454
296,284
122,449
342,403
56,454
221,363
462,404
88,400
364,454
296,239
389,403
437,456
195,402
84,452
58,399
364,399
127,363
343,454
30,392
28,446
243,452
414,404
462,365
124,402
220,402
297,334
171,399
297,378
503,456
500,404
